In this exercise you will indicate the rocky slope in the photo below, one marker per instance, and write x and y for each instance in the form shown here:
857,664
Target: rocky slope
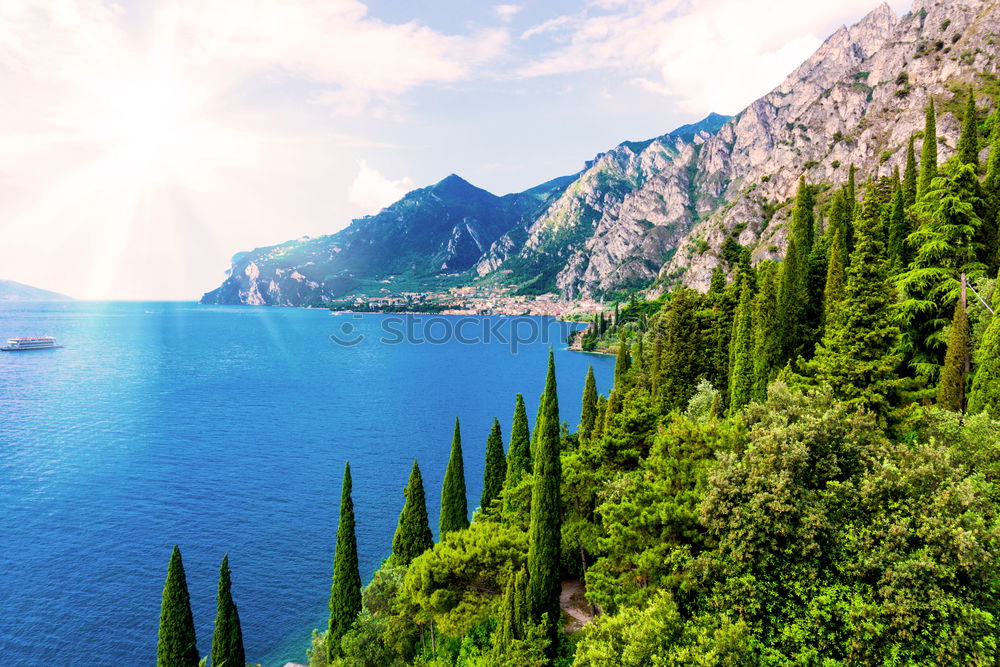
857,100
659,212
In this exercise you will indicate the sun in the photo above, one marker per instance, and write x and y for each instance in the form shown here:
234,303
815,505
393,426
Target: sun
149,122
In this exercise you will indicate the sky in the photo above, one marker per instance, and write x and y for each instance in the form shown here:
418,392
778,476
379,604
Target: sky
144,142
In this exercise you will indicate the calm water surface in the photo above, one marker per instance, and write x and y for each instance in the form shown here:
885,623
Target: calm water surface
225,430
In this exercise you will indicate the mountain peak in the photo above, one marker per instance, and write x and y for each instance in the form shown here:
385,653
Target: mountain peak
454,185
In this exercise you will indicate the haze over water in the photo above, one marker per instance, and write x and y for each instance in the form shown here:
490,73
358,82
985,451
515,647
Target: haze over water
225,430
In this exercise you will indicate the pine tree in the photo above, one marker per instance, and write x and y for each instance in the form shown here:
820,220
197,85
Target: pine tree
495,470
985,393
227,641
951,388
766,343
544,536
910,176
345,593
623,362
928,154
856,357
899,229
588,413
177,645
968,141
793,290
413,532
741,353
943,248
454,503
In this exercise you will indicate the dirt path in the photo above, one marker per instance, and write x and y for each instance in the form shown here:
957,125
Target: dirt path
575,605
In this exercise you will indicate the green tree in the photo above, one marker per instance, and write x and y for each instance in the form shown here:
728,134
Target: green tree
454,503
623,361
856,357
928,154
519,451
741,352
951,388
836,266
985,393
910,176
177,645
413,532
793,289
766,342
943,248
495,469
513,614
545,526
227,641
683,357
588,413
345,593
899,230
968,141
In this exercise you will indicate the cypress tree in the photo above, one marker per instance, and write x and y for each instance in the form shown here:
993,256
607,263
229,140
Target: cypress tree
741,353
928,154
544,536
951,388
345,593
227,641
836,263
512,616
177,645
496,468
685,356
985,393
991,193
599,421
910,175
454,504
519,451
766,342
968,141
588,414
898,231
622,363
413,532
856,356
793,291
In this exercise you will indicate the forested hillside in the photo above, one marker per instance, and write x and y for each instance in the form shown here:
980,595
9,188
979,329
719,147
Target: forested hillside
797,467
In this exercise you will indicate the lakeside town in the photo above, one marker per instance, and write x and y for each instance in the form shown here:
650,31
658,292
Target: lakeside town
468,300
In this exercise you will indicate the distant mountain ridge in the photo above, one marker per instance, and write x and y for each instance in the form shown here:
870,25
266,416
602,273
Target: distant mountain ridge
660,212
14,291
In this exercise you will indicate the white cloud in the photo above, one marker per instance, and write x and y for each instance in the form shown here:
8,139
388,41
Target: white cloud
507,12
372,191
711,55
151,145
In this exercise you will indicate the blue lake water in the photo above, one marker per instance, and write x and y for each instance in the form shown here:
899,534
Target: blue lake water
225,429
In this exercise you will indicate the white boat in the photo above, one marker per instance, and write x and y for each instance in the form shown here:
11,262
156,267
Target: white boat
29,343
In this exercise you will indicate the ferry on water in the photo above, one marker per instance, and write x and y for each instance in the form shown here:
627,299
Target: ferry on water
30,343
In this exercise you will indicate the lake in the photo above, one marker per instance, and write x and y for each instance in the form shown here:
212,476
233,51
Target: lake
226,429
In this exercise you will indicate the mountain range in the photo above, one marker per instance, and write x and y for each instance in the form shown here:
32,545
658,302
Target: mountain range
655,213
13,291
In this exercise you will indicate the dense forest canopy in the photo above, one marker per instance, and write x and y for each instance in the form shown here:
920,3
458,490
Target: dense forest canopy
799,466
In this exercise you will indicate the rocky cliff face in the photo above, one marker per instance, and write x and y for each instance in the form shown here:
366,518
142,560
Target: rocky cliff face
857,100
659,212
